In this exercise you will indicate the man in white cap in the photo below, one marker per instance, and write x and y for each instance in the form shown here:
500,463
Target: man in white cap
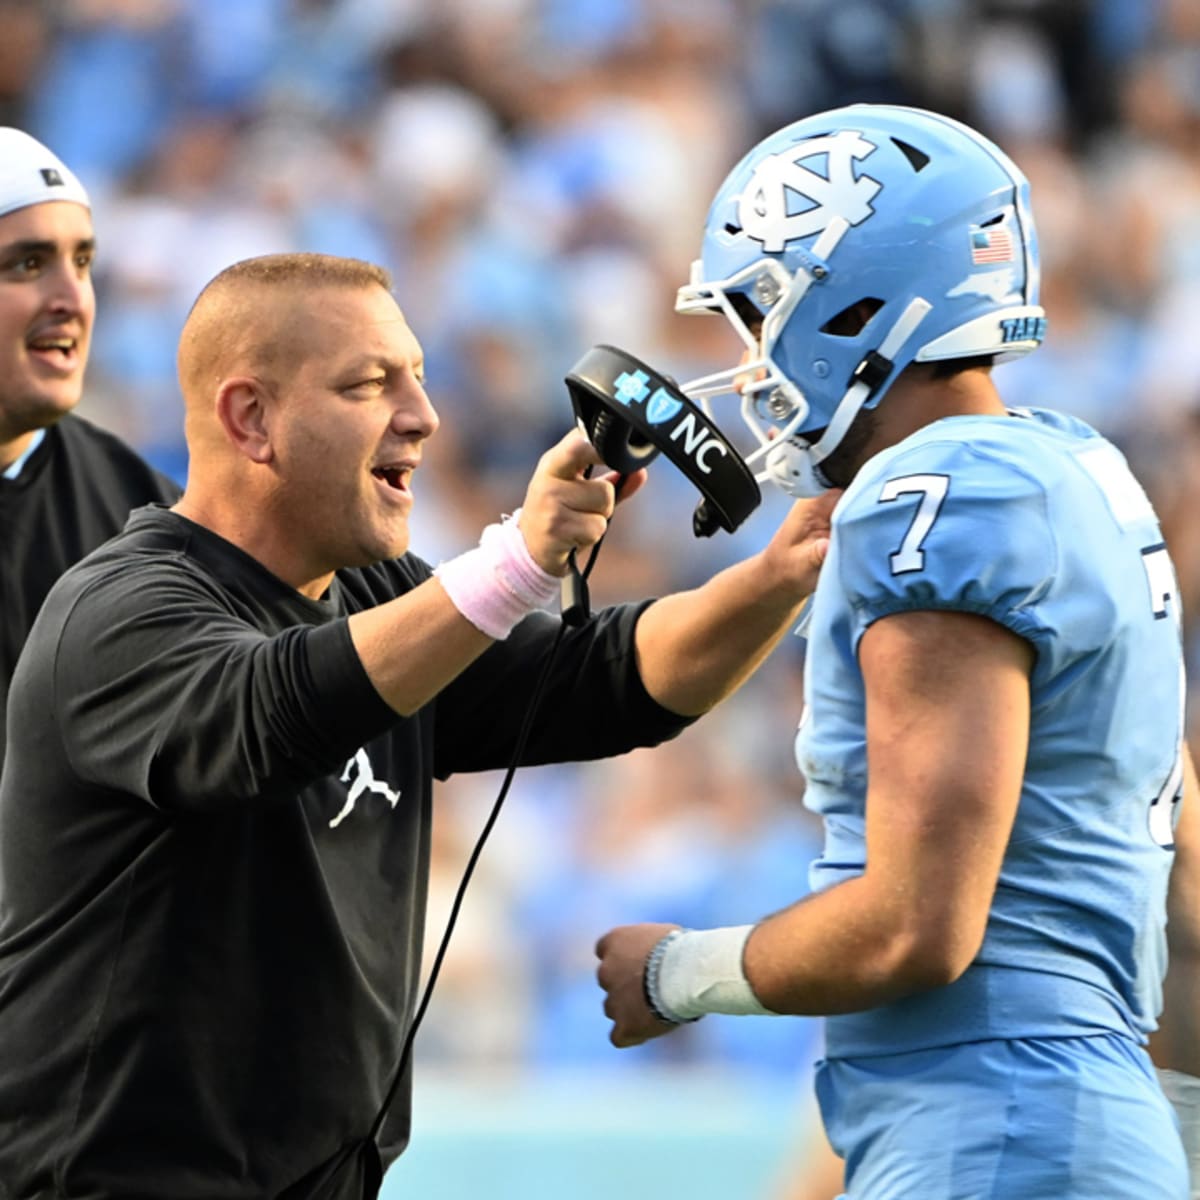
65,485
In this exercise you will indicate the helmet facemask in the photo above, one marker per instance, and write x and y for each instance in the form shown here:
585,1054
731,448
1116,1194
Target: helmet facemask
757,302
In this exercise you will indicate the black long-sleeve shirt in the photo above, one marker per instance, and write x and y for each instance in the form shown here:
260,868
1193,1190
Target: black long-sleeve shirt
214,852
74,493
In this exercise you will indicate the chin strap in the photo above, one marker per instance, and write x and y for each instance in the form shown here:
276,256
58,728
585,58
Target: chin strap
870,375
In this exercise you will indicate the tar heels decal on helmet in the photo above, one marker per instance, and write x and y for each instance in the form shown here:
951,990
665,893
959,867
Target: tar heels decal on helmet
1023,329
769,213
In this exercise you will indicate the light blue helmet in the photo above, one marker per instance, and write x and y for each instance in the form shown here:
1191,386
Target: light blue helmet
909,210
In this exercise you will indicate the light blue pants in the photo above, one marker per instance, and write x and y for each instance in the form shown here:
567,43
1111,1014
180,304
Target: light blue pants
1038,1119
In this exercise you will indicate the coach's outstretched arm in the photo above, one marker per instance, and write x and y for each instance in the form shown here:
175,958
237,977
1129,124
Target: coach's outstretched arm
695,648
413,646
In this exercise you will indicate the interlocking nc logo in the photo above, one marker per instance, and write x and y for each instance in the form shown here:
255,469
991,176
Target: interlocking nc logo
763,208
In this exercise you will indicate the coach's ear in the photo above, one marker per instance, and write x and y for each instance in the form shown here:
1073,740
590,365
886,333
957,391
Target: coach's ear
242,409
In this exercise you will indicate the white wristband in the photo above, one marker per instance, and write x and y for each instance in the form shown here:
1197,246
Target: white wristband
1183,1091
498,583
700,971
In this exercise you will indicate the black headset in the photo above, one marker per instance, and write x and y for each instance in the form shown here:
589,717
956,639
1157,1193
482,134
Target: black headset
631,413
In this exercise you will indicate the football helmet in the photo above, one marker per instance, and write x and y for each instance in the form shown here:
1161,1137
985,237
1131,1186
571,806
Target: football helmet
911,212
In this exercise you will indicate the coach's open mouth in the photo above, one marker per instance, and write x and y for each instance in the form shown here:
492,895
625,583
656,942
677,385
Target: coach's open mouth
395,476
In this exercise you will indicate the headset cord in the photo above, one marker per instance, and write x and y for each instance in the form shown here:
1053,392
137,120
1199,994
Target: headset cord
577,618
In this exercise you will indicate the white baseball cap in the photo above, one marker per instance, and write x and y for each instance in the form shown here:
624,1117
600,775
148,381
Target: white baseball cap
31,174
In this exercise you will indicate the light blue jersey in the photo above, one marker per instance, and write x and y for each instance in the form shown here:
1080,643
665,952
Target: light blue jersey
1034,521
1032,1119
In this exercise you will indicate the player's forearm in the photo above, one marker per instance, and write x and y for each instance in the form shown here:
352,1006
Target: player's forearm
844,950
695,648
836,952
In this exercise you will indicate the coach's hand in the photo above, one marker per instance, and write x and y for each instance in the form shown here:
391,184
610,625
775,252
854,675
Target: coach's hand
564,508
798,548
623,953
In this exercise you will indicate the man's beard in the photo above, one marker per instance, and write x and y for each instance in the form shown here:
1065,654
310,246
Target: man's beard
843,464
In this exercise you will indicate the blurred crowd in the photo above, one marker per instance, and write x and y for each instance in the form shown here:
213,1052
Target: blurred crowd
535,174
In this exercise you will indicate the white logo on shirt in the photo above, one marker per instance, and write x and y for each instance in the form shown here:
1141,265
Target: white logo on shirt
364,781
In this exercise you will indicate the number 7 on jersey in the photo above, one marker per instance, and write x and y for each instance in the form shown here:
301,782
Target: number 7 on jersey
932,490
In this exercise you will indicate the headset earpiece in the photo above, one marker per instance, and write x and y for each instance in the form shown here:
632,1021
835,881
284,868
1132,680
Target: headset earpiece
619,443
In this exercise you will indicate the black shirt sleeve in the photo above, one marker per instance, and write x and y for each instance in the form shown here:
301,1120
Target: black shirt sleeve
171,696
76,492
593,705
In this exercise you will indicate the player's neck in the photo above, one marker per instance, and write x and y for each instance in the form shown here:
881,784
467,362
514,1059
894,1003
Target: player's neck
918,401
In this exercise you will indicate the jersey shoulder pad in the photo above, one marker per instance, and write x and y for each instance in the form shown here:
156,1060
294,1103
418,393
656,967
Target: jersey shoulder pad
947,520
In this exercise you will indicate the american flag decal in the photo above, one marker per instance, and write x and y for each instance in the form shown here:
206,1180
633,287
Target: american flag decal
991,245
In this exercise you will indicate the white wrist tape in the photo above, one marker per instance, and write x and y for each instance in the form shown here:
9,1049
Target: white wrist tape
700,971
1183,1091
498,583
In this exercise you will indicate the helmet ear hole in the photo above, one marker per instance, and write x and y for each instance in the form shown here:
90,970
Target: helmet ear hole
853,319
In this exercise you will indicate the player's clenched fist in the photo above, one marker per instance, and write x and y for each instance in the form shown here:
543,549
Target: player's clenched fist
622,972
